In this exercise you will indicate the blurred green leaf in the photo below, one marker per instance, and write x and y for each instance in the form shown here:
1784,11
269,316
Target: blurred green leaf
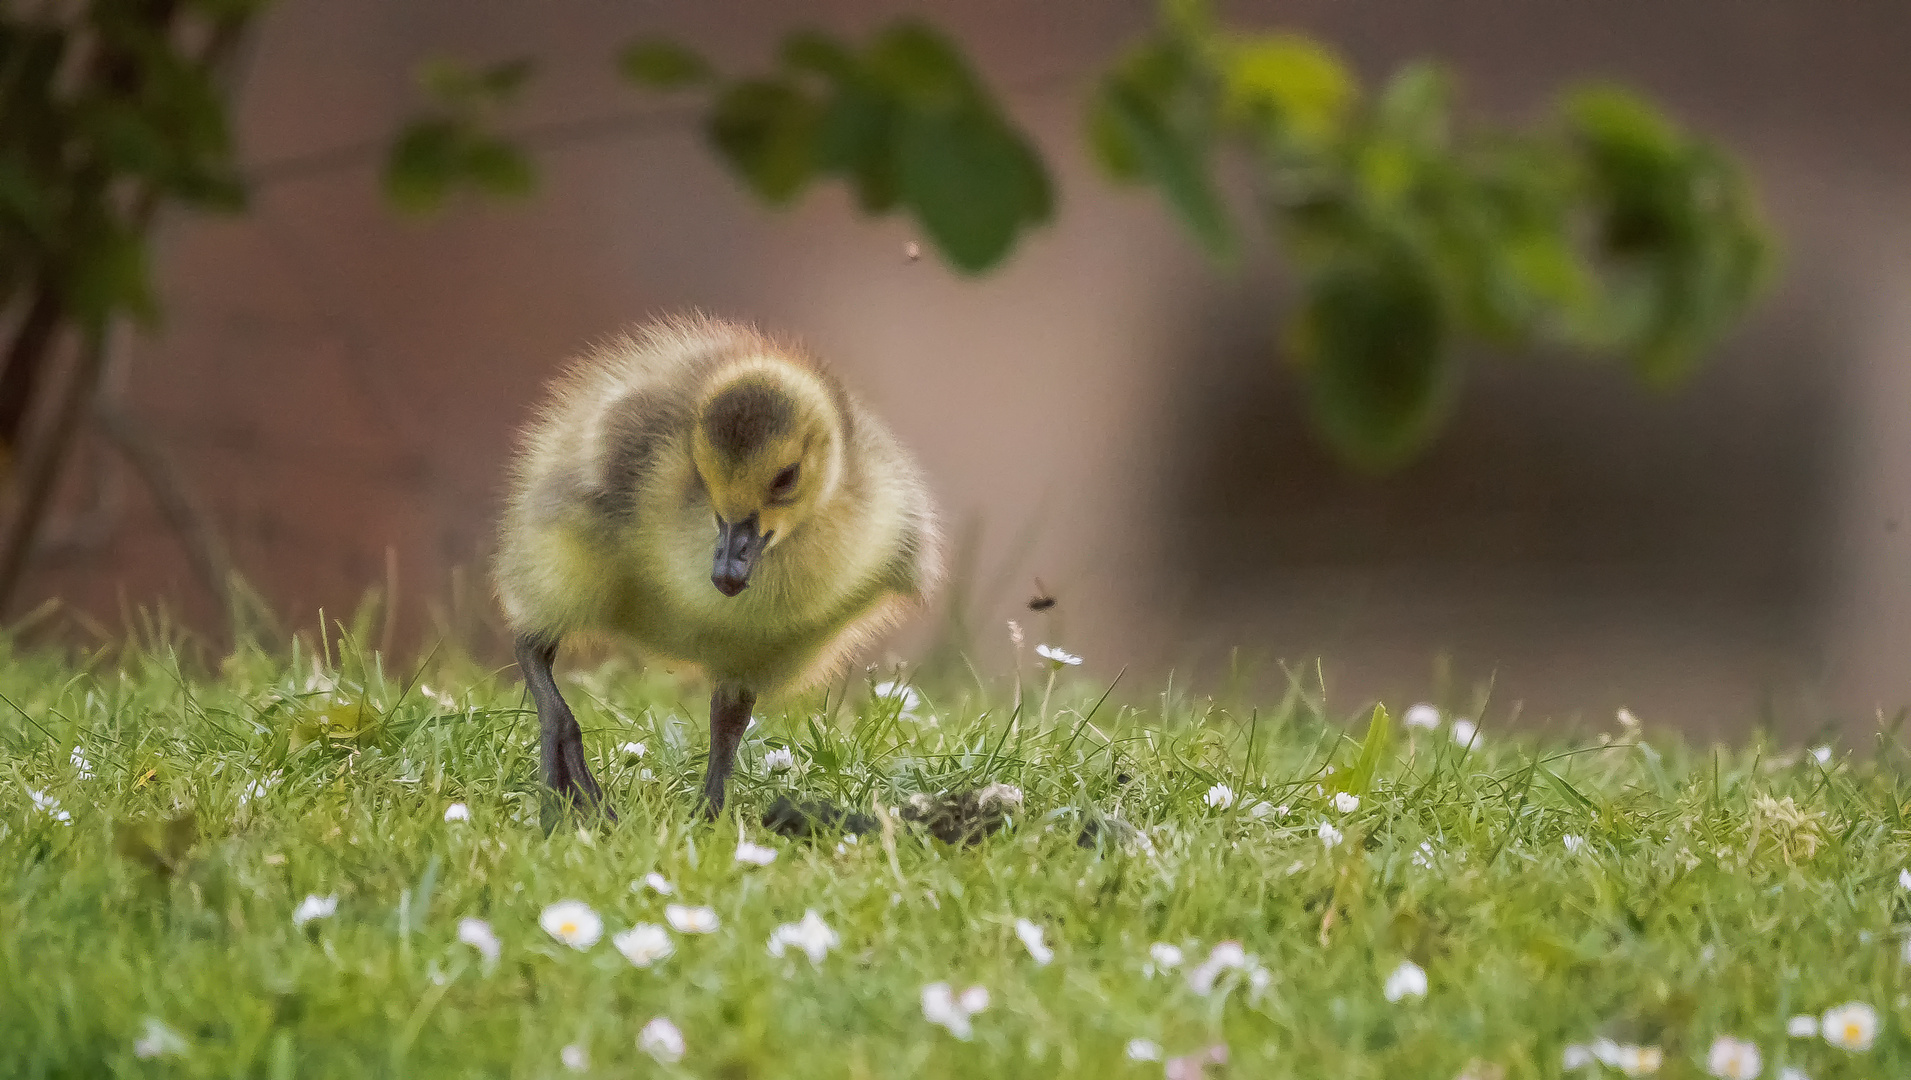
460,86
1138,134
108,273
1290,80
971,182
1416,106
856,137
423,165
767,131
663,65
922,69
497,167
1371,338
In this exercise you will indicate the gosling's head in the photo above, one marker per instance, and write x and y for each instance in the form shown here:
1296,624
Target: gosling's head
768,446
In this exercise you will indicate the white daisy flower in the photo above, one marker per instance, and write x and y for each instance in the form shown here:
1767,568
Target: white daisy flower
1144,1050
1466,733
908,701
1734,1059
1423,855
1822,755
575,1057
1330,836
755,854
1220,796
812,937
1791,1072
438,697
49,806
1637,1060
1802,1027
457,812
1576,1056
779,759
1163,957
1422,715
1852,1026
1904,879
1346,802
656,883
1407,980
1224,957
1574,844
314,907
685,919
1057,657
477,933
1031,936
633,750
80,764
942,1006
644,944
573,923
661,1040
1263,810
158,1040
257,788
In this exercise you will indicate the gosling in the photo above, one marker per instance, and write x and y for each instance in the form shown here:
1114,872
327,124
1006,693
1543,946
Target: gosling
718,499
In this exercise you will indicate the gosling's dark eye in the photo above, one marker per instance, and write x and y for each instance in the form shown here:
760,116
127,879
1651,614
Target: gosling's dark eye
785,483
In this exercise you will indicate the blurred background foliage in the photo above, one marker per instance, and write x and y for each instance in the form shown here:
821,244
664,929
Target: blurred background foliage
1602,227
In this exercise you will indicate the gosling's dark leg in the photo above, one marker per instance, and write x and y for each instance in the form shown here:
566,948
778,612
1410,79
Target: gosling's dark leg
560,740
729,716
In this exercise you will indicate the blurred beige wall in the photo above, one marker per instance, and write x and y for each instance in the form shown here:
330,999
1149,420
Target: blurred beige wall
336,382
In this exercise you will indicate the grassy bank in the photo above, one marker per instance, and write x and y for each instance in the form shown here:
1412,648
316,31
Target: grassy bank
1629,889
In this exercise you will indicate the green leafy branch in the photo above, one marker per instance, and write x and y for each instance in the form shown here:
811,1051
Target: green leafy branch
1605,229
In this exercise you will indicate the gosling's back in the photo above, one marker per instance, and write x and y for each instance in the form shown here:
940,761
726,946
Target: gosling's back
608,527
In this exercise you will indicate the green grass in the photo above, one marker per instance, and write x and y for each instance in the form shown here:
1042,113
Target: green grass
1696,906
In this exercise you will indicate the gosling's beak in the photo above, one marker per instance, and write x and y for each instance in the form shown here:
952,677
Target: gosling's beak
738,545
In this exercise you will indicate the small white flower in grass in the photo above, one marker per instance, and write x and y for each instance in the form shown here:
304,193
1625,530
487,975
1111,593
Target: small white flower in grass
1792,1073
80,764
1576,1056
1224,957
575,1057
1031,936
779,759
1423,855
1574,844
905,696
661,1040
1057,657
1822,755
314,907
755,854
49,806
691,920
644,944
1802,1027
1422,715
1165,957
812,937
438,697
457,812
1015,634
477,933
1733,1059
941,1005
1346,802
573,923
1466,732
1904,879
158,1040
1637,1060
633,750
1220,796
1144,1050
656,883
1263,810
1407,980
1330,836
1852,1026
